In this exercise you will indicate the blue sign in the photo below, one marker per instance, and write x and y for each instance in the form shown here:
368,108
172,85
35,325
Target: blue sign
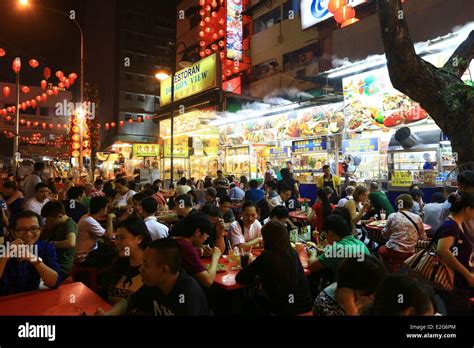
360,145
279,152
309,146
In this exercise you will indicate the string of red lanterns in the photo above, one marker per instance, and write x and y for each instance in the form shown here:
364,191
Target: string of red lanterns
344,14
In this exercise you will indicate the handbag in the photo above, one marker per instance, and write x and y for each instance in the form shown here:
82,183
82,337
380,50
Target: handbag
420,243
427,265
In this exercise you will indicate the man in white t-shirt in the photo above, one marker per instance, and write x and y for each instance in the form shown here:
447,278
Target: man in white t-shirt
148,207
89,228
285,194
32,180
123,192
39,200
251,236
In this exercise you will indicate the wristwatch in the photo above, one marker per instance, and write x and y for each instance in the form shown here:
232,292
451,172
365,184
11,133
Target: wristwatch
38,261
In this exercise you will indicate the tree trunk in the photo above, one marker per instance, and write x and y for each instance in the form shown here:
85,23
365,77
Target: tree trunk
441,92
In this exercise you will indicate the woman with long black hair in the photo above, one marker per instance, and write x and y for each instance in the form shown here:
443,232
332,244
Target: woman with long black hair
281,274
320,210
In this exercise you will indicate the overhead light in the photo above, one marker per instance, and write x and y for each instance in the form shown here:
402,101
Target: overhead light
162,74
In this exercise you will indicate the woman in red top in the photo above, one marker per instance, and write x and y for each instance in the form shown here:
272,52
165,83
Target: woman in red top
320,210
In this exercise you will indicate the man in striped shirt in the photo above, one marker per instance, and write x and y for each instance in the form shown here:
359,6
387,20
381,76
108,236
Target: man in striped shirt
91,191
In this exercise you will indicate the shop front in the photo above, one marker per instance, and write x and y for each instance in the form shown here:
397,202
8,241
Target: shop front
145,160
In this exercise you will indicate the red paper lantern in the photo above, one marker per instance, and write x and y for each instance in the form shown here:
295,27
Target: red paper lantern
202,2
38,99
44,96
25,89
214,14
76,146
28,124
55,90
28,103
65,126
99,125
34,63
202,13
202,43
107,126
51,126
22,121
344,13
6,91
215,36
61,85
67,83
47,73
214,47
207,19
16,65
44,85
76,137
147,118
122,123
2,52
202,23
59,74
221,32
8,118
130,120
49,92
72,76
33,103
202,54
349,22
228,72
208,51
221,21
75,154
202,34
214,4
35,124
221,43
207,8
335,4
113,124
207,30
222,54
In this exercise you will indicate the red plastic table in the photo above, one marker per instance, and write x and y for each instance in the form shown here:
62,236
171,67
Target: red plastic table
380,228
298,215
67,300
226,280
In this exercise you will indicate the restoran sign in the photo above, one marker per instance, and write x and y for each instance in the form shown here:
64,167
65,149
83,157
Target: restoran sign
194,79
315,11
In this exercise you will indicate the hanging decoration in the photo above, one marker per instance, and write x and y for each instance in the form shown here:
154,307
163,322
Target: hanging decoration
33,63
16,66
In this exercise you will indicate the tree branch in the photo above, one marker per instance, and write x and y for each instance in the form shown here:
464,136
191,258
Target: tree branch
459,61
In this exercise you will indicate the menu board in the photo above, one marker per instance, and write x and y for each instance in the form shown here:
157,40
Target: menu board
303,123
312,145
146,150
371,102
279,152
179,150
402,179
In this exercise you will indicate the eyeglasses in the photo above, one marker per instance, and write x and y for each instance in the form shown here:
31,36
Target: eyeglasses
34,230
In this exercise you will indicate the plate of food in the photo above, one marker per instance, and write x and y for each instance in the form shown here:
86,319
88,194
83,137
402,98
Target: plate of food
220,268
378,223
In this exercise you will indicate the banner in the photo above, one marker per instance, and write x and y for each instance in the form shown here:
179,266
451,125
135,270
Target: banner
234,30
194,79
279,152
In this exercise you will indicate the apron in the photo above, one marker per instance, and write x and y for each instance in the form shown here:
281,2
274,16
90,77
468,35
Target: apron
330,183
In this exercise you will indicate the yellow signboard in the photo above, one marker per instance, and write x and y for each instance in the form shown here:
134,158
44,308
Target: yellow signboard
146,150
194,79
179,151
402,179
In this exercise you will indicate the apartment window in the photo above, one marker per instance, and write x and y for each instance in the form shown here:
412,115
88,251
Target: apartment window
141,98
141,58
300,57
128,96
129,77
268,20
291,6
141,78
263,70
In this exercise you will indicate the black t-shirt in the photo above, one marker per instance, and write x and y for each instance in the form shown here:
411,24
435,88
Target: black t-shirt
282,301
186,298
75,210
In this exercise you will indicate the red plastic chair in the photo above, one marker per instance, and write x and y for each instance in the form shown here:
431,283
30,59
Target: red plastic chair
307,314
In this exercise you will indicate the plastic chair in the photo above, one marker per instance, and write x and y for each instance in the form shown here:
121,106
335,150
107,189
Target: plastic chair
307,314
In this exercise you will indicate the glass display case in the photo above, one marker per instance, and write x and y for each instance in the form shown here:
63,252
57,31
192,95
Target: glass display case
201,166
406,167
238,161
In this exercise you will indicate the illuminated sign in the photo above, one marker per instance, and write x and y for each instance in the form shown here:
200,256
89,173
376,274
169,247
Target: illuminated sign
179,151
146,150
234,30
315,11
402,179
194,79
309,146
360,145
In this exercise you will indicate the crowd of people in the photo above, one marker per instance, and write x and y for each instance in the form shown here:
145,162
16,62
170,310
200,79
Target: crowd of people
146,264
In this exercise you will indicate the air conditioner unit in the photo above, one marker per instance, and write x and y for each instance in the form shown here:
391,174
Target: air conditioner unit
306,57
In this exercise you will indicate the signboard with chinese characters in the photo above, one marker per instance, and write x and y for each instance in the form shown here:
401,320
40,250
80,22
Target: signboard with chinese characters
179,151
233,86
146,150
234,30
309,146
315,11
279,152
360,145
194,79
402,178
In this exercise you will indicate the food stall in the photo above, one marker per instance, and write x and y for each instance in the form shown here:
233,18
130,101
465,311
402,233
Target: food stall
239,161
203,157
309,157
180,159
146,158
278,156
